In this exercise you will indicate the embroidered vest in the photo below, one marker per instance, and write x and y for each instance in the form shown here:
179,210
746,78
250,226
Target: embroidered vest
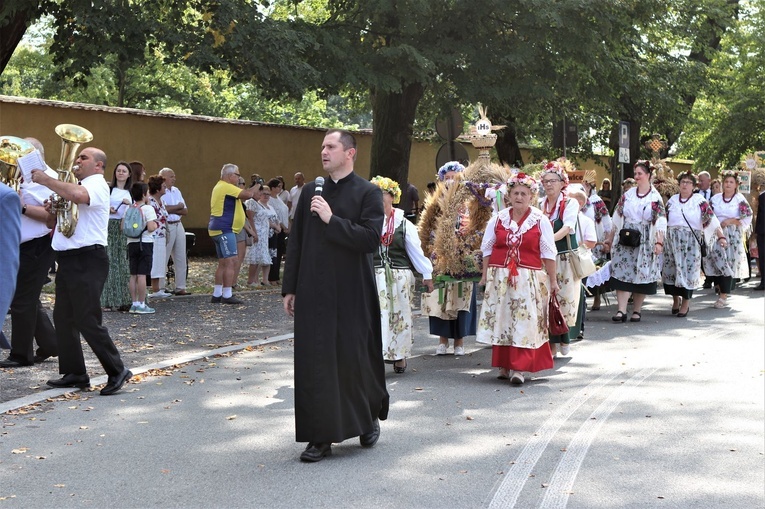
561,244
394,255
524,249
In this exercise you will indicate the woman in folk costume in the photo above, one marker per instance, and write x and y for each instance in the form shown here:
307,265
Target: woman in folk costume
690,219
399,252
453,315
597,210
727,261
519,273
562,212
635,270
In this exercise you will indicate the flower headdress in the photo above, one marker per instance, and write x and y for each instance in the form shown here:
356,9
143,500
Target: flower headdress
523,179
645,163
730,173
388,186
450,166
687,175
559,167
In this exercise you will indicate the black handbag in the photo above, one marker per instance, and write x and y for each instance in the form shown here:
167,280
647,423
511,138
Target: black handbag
629,237
702,244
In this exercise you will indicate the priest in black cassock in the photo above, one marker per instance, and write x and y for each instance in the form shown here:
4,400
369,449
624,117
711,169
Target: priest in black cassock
329,287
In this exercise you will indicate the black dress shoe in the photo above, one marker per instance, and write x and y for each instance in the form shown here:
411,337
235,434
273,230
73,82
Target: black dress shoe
70,380
12,363
370,439
316,452
115,383
759,288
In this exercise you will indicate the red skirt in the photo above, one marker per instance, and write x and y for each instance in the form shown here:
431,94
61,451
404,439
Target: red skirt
513,358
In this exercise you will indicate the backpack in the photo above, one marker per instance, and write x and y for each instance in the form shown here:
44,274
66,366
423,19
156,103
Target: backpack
133,223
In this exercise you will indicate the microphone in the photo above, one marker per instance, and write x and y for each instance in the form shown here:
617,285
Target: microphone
318,190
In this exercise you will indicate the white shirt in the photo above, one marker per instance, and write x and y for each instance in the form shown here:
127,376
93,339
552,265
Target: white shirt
92,226
570,211
149,214
706,194
294,196
116,203
172,196
282,212
585,230
33,193
730,210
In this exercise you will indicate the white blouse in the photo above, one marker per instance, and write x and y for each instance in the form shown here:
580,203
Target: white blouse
546,241
115,201
570,212
639,209
730,210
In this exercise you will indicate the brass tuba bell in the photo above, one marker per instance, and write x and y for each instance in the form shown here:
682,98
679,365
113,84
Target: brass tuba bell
66,211
11,148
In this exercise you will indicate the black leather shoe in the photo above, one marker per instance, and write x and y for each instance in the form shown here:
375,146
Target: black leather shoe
115,383
759,288
370,439
232,300
70,380
11,363
316,452
215,300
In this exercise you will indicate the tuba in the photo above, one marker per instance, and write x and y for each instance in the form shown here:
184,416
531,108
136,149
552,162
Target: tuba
11,148
66,211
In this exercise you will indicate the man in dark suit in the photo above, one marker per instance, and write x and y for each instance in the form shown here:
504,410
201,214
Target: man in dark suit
10,235
82,269
759,230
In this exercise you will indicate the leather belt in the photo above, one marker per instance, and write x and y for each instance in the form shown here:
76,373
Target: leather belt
72,252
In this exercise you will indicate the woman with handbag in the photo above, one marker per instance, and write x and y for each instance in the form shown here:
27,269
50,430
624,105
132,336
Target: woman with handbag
726,261
587,238
520,278
690,221
637,237
562,212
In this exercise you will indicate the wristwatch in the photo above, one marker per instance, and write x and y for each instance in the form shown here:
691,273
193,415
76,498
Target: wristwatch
23,209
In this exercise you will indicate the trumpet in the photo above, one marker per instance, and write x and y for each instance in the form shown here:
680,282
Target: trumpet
67,212
11,148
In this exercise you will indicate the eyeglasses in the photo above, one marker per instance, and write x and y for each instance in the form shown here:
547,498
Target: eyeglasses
547,182
686,182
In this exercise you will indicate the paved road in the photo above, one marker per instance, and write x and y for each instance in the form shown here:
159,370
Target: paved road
667,412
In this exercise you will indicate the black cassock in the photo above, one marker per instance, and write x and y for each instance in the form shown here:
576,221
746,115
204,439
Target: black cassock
339,370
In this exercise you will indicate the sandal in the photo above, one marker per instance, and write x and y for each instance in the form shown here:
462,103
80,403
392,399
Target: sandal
620,316
503,374
721,303
639,316
399,369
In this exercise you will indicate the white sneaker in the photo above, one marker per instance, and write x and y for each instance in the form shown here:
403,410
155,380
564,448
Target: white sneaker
564,349
459,350
143,309
160,294
441,349
517,378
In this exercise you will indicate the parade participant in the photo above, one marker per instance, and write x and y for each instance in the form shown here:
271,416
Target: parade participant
399,252
329,287
82,268
636,268
726,261
562,213
29,321
454,315
519,273
10,237
116,295
597,210
175,232
690,221
227,218
586,235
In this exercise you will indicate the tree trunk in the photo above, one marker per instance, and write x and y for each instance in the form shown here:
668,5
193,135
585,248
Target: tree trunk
508,150
392,126
11,34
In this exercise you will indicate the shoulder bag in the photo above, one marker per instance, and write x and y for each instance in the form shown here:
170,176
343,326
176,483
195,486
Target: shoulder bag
581,260
702,244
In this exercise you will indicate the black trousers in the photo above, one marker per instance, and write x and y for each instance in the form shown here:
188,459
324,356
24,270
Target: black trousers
761,256
276,263
79,281
29,319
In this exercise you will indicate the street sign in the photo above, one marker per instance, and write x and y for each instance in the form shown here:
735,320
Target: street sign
624,142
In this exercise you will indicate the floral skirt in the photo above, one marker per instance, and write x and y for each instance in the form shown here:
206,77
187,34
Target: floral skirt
730,260
636,266
515,314
570,288
258,253
115,292
682,258
395,293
